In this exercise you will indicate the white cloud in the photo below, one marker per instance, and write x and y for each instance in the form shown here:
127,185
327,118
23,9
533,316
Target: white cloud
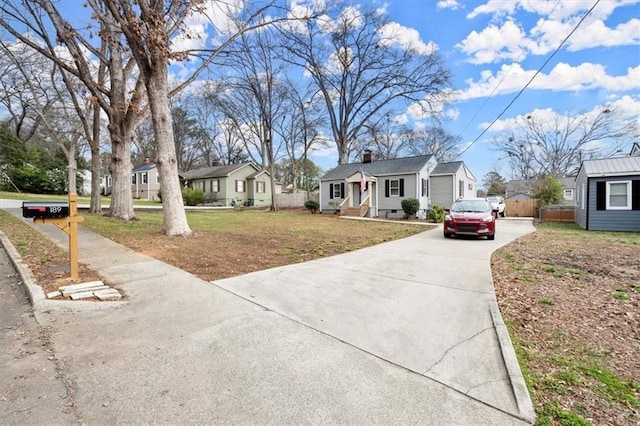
563,77
494,43
407,38
448,4
552,10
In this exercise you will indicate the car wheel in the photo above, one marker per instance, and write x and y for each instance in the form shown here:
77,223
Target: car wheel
447,235
503,214
491,237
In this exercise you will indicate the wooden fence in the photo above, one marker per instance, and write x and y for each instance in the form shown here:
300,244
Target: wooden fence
558,214
521,208
295,199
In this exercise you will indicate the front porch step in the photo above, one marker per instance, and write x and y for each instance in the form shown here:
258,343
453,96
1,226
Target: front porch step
354,212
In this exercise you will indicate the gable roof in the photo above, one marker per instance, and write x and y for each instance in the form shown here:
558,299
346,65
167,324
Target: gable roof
447,168
635,149
620,166
144,167
215,171
393,166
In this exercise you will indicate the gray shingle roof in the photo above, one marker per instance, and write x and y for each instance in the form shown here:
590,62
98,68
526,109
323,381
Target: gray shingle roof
447,168
214,171
394,166
612,166
144,167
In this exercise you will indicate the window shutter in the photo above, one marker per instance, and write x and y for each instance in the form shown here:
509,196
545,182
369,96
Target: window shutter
386,188
427,186
601,195
331,191
402,187
635,195
342,190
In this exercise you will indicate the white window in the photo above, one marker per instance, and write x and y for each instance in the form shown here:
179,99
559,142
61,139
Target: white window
337,191
133,179
260,187
239,186
215,185
394,188
144,178
619,195
568,194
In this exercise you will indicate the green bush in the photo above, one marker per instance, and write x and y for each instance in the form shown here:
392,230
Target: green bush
436,214
192,197
312,205
410,206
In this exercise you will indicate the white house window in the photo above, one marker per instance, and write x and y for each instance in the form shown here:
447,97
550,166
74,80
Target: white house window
337,192
215,185
133,179
460,188
144,178
239,186
394,188
260,187
619,195
568,194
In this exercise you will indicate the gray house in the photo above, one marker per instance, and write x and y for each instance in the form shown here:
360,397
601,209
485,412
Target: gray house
376,188
524,189
450,181
608,194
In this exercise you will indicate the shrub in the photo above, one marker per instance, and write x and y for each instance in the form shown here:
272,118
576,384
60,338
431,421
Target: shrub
192,197
312,205
436,214
410,206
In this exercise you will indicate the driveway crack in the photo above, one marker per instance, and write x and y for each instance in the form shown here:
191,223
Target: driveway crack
444,355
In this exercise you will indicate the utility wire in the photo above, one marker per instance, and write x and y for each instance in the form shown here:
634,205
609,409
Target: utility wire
504,76
531,79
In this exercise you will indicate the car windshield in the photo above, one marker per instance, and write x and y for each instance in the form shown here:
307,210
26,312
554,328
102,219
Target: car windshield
471,206
493,199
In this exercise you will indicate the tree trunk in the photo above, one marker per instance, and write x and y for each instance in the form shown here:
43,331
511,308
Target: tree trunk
174,216
95,206
343,152
121,206
72,166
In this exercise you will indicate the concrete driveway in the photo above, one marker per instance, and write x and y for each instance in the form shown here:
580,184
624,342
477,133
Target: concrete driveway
406,332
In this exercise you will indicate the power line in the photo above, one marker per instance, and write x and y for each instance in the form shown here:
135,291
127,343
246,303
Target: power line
504,76
532,78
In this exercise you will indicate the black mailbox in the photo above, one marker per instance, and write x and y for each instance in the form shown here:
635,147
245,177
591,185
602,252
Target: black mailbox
39,209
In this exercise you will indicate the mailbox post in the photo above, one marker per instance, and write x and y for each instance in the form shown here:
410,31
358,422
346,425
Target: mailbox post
64,216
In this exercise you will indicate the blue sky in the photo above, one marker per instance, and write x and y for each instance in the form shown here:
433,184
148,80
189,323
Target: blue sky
492,48
495,46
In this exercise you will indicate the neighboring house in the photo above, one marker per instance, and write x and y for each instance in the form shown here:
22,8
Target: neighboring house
608,194
450,181
377,188
145,181
524,189
635,150
233,184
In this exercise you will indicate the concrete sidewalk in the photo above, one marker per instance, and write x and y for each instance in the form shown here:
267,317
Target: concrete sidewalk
403,332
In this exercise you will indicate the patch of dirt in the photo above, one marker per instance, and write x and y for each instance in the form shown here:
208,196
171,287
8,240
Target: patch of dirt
572,300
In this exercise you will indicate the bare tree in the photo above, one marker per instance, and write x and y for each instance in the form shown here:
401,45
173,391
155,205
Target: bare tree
361,72
550,144
432,140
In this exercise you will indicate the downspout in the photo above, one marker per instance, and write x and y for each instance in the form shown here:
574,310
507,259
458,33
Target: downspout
587,202
320,197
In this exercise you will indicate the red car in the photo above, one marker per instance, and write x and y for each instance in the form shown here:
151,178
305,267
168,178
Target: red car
470,216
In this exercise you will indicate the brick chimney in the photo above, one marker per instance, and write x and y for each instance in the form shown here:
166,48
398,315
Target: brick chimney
367,157
147,160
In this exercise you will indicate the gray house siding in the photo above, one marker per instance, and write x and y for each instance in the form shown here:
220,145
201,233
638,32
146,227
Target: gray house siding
593,196
610,220
391,205
442,187
329,202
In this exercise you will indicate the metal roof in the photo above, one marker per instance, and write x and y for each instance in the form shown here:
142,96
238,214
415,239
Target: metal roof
394,166
620,166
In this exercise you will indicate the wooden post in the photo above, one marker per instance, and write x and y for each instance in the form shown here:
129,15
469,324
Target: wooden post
69,225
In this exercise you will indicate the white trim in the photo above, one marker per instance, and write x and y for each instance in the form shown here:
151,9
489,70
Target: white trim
608,195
